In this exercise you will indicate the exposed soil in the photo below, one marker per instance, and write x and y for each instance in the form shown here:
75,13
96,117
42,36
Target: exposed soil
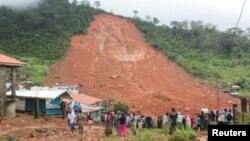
25,128
113,61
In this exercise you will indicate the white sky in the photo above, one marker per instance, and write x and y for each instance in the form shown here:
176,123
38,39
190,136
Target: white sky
19,3
222,13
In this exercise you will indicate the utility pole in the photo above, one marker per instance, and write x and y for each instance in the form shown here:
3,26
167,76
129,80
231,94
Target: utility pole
217,89
36,108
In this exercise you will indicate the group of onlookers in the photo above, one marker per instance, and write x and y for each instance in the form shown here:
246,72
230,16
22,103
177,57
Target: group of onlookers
76,117
175,120
123,123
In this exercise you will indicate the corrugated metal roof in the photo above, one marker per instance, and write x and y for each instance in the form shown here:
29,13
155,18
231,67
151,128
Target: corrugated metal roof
7,61
42,94
86,99
88,108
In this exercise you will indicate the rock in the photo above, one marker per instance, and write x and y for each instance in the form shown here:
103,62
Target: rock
115,76
187,109
120,86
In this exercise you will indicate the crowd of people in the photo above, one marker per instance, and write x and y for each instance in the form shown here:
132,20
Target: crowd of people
171,120
176,120
124,123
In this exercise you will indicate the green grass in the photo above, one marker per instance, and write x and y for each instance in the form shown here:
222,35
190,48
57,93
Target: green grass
145,135
36,68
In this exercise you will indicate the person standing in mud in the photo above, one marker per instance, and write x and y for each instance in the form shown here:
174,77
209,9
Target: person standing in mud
198,126
122,128
134,123
72,121
165,120
202,117
75,107
63,109
173,116
117,122
90,119
212,118
80,121
108,123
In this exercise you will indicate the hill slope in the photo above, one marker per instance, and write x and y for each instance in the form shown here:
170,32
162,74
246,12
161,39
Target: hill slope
113,61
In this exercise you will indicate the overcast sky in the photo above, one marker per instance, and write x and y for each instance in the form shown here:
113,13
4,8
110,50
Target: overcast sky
19,3
222,13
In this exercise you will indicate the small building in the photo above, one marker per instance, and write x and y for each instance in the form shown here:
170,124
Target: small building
7,106
71,88
86,99
49,100
88,103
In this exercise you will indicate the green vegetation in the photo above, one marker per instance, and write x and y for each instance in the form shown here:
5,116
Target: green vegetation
41,35
242,118
121,107
145,135
183,135
246,118
202,50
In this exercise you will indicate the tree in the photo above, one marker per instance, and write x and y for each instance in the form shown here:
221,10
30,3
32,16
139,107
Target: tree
85,2
97,4
155,21
75,2
148,18
248,32
135,13
121,107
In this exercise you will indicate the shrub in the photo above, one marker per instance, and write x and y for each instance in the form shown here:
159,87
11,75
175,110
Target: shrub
246,118
183,135
121,107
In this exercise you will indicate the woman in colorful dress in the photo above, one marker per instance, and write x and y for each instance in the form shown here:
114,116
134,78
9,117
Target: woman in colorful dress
122,128
108,124
133,126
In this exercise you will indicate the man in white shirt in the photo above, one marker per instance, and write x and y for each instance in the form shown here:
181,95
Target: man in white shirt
165,119
72,121
179,120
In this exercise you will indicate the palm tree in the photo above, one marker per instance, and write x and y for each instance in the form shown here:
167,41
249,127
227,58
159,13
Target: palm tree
148,18
97,4
135,12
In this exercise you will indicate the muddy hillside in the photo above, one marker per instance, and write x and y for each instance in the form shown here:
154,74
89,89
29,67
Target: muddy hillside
114,61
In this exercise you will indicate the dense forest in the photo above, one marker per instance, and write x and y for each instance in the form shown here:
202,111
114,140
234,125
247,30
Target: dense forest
203,50
41,35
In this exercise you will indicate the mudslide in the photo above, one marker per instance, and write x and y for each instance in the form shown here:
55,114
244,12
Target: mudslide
113,61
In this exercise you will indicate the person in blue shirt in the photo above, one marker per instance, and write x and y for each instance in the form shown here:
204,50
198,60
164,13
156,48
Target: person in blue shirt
198,122
75,107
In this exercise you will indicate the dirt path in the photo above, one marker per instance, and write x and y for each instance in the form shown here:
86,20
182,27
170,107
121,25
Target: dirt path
50,132
18,128
113,61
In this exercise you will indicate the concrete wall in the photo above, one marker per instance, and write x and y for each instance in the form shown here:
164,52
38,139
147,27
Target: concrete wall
10,108
20,105
2,89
